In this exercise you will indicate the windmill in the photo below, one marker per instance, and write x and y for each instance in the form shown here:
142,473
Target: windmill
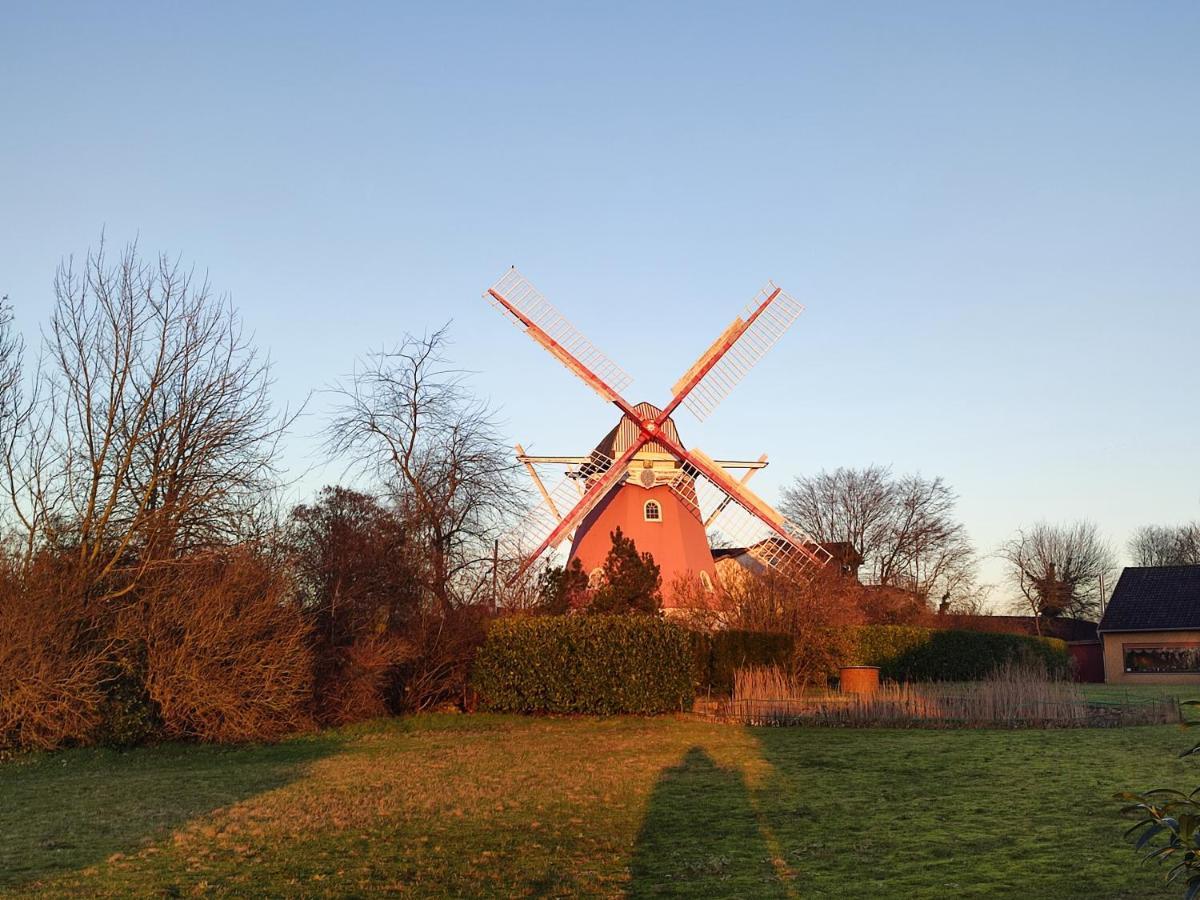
675,502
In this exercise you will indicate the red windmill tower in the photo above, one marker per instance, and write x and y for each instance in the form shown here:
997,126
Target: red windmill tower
640,477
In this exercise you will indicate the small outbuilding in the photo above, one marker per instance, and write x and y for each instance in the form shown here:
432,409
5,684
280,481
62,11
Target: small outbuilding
1151,628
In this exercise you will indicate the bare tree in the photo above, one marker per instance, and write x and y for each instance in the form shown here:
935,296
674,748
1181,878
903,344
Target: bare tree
11,351
1158,545
23,435
149,432
407,417
904,527
1059,569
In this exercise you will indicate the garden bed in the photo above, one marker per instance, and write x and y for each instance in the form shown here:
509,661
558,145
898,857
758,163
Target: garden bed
1011,698
927,707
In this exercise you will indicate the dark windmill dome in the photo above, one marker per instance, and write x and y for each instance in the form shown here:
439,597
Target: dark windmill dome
627,432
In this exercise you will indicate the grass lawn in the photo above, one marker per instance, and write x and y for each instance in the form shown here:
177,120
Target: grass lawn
470,805
1134,692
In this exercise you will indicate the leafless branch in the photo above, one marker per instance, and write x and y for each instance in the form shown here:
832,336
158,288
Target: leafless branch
407,419
1058,569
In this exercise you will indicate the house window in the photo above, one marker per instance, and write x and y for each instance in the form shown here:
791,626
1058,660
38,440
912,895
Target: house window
706,580
652,511
1174,658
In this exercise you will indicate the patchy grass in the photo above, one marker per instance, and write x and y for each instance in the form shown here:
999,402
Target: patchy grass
1115,693
69,811
488,805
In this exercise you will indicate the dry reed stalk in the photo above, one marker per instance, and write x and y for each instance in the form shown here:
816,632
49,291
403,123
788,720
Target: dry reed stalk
1013,696
765,683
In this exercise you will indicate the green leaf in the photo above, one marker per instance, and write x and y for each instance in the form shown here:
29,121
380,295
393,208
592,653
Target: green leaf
1146,811
1148,835
1160,854
1136,825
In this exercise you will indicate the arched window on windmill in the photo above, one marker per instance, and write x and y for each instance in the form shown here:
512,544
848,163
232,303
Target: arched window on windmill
706,581
652,511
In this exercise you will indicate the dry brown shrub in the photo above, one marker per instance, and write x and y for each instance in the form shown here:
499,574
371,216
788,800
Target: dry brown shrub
694,605
357,582
819,614
885,605
227,655
444,647
52,660
354,686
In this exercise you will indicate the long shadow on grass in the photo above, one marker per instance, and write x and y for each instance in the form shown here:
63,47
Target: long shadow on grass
701,838
65,811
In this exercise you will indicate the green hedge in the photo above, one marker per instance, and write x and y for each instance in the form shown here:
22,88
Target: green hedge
909,653
721,653
585,664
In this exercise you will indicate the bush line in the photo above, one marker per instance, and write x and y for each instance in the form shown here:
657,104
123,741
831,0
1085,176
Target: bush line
601,665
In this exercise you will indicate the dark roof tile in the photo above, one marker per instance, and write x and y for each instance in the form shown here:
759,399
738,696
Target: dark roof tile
1062,628
1155,598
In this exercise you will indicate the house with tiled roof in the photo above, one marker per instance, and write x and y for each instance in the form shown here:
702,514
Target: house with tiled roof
1151,628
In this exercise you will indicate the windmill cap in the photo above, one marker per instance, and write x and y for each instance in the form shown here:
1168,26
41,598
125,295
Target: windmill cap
627,431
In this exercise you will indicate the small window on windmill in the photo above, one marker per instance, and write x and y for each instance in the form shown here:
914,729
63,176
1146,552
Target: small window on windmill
652,511
706,580
596,579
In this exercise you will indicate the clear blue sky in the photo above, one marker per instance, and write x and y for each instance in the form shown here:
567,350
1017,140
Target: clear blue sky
991,211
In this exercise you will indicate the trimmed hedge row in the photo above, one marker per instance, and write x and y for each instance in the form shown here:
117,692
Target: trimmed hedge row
601,665
909,653
605,665
719,654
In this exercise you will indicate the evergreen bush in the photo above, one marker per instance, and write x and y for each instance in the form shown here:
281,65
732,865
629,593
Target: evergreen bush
910,653
129,716
601,665
721,653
